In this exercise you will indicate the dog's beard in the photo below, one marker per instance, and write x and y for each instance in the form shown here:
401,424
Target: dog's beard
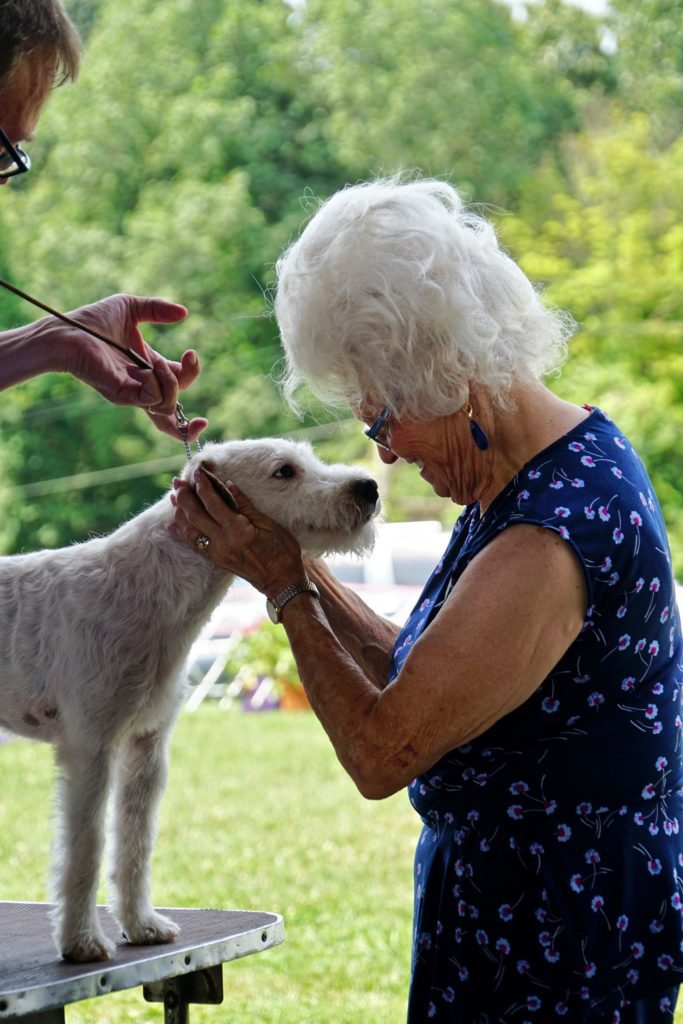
316,542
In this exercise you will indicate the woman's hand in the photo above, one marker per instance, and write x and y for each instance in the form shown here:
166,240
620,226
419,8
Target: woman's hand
240,538
111,373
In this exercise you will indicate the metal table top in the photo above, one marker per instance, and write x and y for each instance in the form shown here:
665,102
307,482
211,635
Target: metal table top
33,978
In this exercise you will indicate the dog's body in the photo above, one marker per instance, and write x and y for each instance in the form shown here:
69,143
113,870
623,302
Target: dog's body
93,640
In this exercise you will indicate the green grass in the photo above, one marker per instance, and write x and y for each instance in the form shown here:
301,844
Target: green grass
257,815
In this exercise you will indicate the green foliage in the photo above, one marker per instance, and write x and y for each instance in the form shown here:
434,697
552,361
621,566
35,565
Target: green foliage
257,815
567,42
648,62
604,233
265,652
452,91
178,164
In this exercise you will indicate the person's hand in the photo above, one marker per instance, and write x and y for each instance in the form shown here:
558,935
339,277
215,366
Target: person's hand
112,374
240,538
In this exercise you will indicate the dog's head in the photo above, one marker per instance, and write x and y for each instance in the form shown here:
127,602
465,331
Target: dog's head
328,508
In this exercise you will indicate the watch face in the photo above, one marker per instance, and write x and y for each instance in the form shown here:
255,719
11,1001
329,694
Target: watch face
273,613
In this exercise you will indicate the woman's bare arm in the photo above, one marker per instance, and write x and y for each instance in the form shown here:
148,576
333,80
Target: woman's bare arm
510,617
365,635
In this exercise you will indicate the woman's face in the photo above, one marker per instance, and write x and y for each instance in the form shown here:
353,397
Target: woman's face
442,450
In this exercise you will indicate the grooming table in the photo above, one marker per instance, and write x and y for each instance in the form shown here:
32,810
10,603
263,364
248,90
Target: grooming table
36,985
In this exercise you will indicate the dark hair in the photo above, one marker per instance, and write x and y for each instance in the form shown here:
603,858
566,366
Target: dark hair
41,28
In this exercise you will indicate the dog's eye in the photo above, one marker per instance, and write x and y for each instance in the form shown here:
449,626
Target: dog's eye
285,472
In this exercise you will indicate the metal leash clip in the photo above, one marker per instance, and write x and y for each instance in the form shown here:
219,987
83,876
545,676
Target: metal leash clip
183,424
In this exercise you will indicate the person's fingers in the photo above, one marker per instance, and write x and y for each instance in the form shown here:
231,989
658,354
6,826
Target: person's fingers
157,311
222,501
150,393
190,534
168,424
195,427
211,511
188,369
180,520
191,515
160,386
218,496
219,487
164,382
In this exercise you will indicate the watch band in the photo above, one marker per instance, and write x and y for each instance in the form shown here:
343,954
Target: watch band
274,607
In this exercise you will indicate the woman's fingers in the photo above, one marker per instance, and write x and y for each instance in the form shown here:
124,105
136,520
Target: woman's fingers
191,516
243,541
203,476
226,503
201,509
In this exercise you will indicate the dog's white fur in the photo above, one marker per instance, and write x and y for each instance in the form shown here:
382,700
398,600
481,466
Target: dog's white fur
93,640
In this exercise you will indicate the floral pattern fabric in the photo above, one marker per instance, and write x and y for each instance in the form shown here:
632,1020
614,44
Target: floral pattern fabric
548,872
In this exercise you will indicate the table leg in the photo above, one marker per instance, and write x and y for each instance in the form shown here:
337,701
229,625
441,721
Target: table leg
205,986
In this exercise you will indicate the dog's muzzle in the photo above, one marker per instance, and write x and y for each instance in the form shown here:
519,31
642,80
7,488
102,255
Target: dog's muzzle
367,491
367,497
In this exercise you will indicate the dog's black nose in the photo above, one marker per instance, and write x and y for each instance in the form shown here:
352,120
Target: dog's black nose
367,490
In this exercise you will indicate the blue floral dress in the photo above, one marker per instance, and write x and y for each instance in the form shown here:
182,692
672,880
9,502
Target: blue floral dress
548,872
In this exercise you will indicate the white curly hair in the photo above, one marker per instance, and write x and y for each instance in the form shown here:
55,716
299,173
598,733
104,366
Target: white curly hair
396,294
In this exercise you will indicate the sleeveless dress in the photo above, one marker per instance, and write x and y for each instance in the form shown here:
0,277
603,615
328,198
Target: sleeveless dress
548,875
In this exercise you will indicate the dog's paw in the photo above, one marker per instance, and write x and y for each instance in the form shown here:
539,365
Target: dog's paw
151,929
87,947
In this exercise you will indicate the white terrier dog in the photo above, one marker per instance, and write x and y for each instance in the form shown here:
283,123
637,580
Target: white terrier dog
93,642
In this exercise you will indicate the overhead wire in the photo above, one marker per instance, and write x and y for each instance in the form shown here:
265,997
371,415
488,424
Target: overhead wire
150,467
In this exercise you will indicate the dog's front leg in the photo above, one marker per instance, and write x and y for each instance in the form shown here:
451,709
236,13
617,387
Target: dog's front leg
140,782
84,784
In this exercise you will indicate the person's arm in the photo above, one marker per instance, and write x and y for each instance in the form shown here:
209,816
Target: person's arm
511,616
366,636
48,345
509,619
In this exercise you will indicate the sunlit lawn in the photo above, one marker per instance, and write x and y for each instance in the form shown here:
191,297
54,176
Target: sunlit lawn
257,815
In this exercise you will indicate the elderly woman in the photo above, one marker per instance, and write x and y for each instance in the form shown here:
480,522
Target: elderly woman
531,701
38,47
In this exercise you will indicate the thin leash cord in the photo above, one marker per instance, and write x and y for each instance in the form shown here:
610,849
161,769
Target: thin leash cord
182,421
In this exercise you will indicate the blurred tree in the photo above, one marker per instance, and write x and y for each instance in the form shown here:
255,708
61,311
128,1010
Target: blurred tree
84,14
452,89
177,167
648,61
571,45
605,235
181,139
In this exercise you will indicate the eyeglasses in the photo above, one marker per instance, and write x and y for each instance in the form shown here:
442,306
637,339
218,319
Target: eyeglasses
377,430
13,160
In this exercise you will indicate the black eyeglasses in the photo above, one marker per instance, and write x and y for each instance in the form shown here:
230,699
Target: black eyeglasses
377,430
13,160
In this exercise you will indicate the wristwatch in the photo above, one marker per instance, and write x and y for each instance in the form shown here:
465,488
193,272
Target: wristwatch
274,607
